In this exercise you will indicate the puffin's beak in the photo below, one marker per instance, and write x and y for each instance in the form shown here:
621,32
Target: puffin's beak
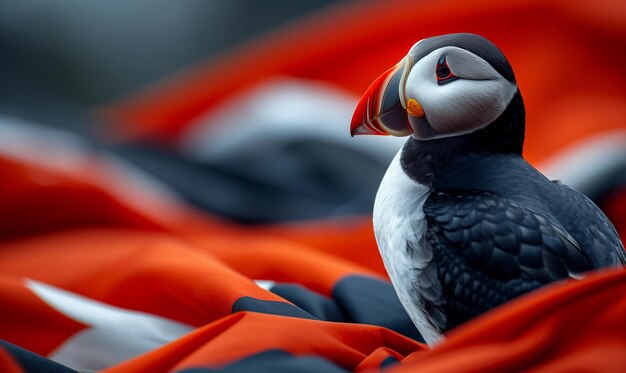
383,108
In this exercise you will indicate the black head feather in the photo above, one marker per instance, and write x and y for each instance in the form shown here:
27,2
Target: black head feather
476,44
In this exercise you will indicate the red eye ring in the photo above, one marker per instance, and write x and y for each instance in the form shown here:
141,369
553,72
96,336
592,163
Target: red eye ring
443,71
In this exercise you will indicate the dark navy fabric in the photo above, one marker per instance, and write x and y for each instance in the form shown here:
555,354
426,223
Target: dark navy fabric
275,361
33,363
355,299
274,180
269,307
367,300
389,362
317,305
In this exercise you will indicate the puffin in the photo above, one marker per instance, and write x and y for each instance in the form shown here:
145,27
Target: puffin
462,221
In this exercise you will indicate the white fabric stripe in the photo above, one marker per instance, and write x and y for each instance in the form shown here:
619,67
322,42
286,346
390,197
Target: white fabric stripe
283,108
586,162
265,284
113,334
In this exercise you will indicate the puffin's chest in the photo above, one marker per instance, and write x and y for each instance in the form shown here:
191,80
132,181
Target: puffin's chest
399,222
400,227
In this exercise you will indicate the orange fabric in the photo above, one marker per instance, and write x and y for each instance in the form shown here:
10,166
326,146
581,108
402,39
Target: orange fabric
140,271
566,56
355,237
283,261
26,321
345,344
577,326
376,358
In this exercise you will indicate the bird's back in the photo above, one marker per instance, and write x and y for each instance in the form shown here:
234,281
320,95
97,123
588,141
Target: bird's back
514,179
589,226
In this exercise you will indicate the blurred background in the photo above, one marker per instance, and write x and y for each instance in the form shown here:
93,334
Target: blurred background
92,52
240,109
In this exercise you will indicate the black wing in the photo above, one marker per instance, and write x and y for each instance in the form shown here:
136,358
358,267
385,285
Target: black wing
489,249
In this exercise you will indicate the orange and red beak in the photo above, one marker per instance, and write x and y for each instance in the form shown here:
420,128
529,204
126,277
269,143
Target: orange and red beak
383,108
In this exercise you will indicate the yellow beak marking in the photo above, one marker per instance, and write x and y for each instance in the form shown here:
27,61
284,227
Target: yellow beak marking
414,108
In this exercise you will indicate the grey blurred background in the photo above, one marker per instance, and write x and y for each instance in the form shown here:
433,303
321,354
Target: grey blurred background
85,53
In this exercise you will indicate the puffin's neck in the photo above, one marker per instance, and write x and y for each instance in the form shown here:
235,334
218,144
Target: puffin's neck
430,162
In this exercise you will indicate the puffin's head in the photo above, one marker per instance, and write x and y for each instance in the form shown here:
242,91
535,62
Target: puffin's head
446,86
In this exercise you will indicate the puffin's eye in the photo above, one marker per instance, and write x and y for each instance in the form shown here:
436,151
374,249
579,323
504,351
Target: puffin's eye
443,72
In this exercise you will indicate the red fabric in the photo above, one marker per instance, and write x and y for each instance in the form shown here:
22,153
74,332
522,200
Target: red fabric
243,334
28,188
577,326
615,209
146,272
90,193
26,321
7,363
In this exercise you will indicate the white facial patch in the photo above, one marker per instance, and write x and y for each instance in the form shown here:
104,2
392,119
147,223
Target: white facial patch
474,100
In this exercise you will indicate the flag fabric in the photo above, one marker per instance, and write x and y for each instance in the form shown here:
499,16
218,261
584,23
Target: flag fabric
242,242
